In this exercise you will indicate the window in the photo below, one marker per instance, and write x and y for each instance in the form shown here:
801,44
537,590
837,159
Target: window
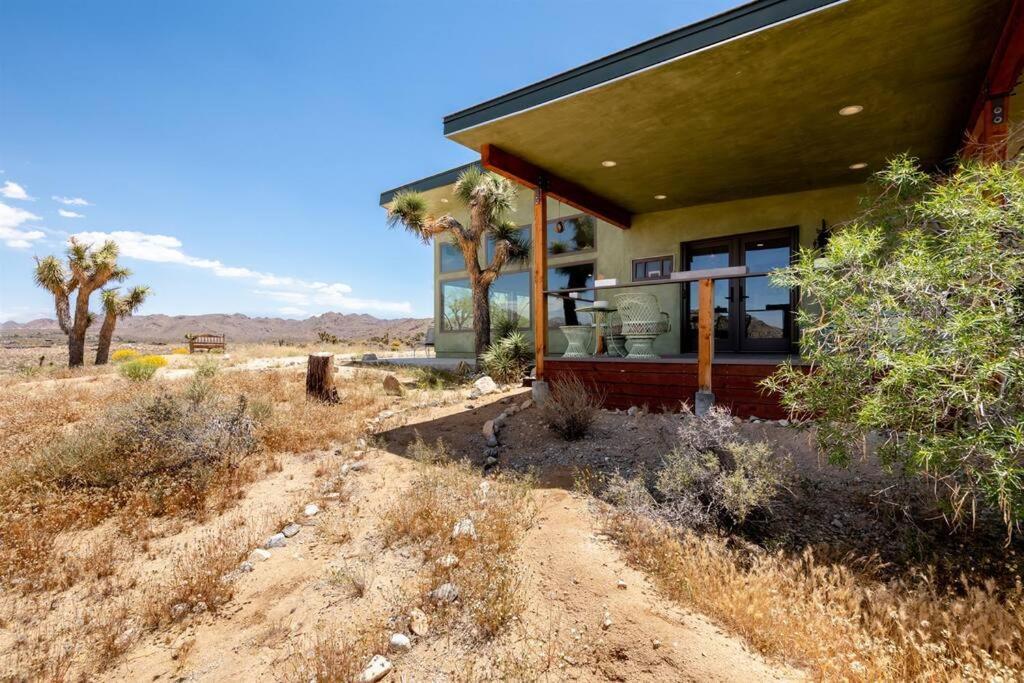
524,234
456,306
451,258
562,310
569,235
510,300
657,268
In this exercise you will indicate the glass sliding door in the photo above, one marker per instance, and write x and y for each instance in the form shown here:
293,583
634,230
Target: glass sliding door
751,314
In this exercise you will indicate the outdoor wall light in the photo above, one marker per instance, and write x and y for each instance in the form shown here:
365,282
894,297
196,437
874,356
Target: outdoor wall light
850,110
857,166
559,227
608,164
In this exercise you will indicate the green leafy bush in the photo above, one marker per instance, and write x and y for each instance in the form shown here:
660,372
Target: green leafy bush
914,329
439,378
507,359
137,370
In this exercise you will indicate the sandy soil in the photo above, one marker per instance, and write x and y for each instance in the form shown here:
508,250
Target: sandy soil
572,574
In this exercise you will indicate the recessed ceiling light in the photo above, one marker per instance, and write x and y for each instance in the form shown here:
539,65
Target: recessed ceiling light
850,110
608,164
660,196
857,166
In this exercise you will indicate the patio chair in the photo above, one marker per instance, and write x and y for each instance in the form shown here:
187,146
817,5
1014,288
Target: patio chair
615,342
642,322
578,338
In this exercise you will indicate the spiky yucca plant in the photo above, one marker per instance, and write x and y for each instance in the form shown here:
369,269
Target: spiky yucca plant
490,199
115,307
88,269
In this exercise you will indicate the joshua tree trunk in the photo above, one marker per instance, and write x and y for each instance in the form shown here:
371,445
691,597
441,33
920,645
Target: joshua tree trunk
62,304
481,317
106,334
76,340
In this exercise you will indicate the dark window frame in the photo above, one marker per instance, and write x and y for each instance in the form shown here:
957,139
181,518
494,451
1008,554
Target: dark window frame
650,259
441,282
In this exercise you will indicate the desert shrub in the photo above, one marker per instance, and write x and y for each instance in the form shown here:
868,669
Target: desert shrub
507,359
164,445
154,360
180,351
137,371
915,329
439,378
571,407
434,454
123,355
505,323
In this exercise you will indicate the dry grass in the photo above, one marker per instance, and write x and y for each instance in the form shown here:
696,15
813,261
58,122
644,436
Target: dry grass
827,618
336,654
489,582
571,408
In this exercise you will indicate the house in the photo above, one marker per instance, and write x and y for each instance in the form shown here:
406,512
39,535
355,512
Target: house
729,143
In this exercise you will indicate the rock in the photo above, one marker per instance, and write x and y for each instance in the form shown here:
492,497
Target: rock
392,387
526,404
199,607
607,623
179,610
418,622
248,566
485,385
491,452
488,430
369,357
464,529
332,495
633,410
656,644
491,462
473,394
400,642
311,510
356,466
446,592
385,414
448,561
621,585
276,541
291,530
361,443
498,422
783,423
378,668
259,555
492,441
485,487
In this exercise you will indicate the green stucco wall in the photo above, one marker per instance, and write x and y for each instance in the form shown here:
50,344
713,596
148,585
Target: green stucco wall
660,234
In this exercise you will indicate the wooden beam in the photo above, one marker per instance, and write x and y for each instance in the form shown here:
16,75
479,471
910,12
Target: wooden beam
988,127
705,333
540,278
523,172
723,273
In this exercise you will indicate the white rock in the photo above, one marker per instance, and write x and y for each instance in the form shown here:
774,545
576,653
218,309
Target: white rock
446,592
378,668
291,530
356,466
179,610
526,404
633,410
485,487
783,423
259,555
361,443
485,385
418,622
248,566
448,561
400,642
332,495
276,541
488,430
311,510
464,528
621,584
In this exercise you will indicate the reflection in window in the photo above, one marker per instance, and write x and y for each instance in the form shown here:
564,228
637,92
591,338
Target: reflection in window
510,301
562,311
659,268
524,235
451,258
456,306
567,235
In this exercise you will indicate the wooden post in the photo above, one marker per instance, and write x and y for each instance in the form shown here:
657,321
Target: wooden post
320,378
705,333
540,277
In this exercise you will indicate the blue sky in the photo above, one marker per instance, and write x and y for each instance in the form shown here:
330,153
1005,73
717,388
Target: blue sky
237,149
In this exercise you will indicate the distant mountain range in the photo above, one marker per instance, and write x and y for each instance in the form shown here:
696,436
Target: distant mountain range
237,327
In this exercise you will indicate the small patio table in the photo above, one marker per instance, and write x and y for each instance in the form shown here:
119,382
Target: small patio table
599,315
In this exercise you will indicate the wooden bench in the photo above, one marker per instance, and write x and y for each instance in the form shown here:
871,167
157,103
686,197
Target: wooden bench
206,342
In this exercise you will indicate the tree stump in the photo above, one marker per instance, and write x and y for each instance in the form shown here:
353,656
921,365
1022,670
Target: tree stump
320,378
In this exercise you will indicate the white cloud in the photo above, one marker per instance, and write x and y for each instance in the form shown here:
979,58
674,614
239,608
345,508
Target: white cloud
71,201
291,310
289,290
69,214
11,232
13,190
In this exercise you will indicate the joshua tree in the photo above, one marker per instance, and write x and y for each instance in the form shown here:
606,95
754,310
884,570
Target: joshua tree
116,306
489,198
88,269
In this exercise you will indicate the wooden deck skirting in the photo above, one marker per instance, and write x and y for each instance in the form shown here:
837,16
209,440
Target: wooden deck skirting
663,385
